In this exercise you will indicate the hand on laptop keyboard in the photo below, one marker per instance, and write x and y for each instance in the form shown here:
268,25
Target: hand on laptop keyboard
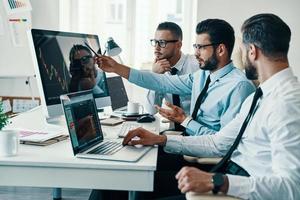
137,145
126,127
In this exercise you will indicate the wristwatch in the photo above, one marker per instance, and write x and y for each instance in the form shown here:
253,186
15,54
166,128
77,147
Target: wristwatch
218,181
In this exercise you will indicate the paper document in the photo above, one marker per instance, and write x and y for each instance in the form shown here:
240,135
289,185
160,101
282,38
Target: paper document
39,135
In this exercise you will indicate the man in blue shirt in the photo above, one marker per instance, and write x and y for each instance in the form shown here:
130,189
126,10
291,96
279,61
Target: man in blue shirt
260,147
221,98
217,91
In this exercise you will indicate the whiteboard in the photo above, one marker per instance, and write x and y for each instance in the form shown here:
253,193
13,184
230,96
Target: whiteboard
15,57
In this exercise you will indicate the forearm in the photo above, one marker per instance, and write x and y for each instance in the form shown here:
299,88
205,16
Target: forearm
198,146
161,82
122,70
194,128
267,187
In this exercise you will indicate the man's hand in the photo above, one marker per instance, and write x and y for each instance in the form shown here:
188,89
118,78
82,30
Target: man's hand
191,179
146,138
161,66
108,64
175,114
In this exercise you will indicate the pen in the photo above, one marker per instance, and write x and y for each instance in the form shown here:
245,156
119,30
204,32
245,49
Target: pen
91,49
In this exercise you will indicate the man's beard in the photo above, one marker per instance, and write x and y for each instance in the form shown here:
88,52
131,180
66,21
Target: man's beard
211,63
250,70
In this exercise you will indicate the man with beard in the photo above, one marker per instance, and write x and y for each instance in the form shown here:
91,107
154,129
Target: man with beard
260,147
217,90
170,60
218,86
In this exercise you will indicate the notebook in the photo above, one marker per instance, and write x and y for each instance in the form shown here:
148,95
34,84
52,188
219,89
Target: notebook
86,134
117,94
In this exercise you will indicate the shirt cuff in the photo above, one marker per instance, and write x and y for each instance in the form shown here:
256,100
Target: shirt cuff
173,144
186,121
239,186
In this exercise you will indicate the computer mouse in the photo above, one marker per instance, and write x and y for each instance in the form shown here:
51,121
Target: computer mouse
145,119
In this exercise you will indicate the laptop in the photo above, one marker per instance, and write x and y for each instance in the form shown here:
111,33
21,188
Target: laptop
117,94
86,134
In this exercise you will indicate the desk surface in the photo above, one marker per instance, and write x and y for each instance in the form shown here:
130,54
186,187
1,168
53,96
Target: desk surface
55,165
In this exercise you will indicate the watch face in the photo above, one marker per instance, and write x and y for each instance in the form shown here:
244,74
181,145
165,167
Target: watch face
218,179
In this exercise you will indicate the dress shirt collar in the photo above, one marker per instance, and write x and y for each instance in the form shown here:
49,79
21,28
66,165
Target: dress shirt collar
276,80
221,72
180,63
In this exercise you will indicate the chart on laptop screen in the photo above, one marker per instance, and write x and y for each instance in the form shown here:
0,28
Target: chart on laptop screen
81,122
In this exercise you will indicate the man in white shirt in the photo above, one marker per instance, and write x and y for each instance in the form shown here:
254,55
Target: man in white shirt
170,60
262,144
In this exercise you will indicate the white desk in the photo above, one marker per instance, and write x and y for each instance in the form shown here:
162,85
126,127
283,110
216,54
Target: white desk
55,165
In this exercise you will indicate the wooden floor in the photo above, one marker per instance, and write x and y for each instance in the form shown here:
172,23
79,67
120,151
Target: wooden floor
29,193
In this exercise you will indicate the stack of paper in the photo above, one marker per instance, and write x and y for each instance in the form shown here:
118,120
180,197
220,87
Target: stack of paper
41,137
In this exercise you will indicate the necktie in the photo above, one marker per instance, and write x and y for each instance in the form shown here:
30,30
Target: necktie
175,97
200,98
176,101
221,165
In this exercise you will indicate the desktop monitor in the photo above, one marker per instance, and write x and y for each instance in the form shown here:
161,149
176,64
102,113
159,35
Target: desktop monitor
63,64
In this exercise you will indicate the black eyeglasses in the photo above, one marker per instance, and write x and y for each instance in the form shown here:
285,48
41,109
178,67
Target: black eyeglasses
199,46
161,43
84,60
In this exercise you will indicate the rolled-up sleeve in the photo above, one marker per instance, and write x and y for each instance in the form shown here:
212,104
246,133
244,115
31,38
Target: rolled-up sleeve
163,83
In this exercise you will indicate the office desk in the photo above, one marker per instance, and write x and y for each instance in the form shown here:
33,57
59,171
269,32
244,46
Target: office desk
55,165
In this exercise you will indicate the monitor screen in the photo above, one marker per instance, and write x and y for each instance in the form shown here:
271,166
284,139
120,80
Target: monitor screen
64,64
117,92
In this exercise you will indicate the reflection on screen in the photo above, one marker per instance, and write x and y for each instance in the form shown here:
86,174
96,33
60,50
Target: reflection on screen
61,73
84,121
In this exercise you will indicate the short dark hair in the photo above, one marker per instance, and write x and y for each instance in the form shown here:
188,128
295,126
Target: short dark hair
172,27
75,48
269,33
219,31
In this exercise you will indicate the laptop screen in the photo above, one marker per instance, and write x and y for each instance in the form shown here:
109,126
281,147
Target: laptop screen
117,92
82,120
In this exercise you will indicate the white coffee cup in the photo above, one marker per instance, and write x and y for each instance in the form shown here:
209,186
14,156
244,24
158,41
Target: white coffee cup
134,108
9,142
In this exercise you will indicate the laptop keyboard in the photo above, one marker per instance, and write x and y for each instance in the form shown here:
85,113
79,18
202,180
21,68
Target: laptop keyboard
107,148
126,127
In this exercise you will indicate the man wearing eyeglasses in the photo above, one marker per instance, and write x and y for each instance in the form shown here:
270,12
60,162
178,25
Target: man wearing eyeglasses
170,60
217,90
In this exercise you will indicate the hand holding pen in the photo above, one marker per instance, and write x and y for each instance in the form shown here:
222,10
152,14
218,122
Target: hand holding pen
96,54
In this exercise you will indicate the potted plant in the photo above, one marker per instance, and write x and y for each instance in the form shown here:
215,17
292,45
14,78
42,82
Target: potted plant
3,117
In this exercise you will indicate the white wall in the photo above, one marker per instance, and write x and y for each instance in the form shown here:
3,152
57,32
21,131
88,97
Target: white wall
237,11
46,14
